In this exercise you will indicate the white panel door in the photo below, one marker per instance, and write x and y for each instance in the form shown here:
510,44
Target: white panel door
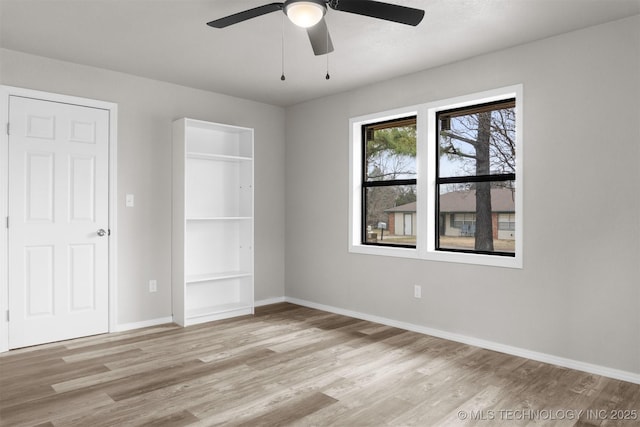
58,207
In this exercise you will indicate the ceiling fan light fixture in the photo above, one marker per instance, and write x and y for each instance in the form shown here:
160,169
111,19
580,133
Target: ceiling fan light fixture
305,13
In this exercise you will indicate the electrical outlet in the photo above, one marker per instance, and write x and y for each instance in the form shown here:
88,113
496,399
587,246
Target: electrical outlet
417,291
153,286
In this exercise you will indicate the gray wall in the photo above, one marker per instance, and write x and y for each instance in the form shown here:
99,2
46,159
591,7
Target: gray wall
146,109
578,295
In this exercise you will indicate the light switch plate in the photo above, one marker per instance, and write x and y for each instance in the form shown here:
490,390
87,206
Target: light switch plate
417,291
129,200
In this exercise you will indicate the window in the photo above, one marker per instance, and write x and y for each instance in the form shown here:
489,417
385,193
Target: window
476,158
440,181
389,182
462,220
506,222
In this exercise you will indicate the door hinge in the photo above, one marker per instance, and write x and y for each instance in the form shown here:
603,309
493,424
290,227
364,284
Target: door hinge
8,129
7,222
8,315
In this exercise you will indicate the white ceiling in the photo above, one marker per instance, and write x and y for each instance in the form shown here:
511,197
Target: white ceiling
168,40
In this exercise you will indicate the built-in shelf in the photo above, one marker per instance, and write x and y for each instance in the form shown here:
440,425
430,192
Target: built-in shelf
212,233
221,218
218,310
209,277
220,157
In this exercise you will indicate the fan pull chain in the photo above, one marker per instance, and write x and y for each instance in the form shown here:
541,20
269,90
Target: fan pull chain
282,77
327,77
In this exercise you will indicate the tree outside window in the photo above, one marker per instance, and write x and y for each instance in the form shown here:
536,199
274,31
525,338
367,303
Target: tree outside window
476,176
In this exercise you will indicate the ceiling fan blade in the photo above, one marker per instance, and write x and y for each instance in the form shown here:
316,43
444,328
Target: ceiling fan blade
247,14
320,38
375,9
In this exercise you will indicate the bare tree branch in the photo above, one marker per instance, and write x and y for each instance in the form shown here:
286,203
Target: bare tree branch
459,138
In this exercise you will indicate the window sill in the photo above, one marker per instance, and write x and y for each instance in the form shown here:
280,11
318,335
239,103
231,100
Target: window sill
477,259
440,256
384,251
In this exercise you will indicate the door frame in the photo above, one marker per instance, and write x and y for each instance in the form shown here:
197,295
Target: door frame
112,108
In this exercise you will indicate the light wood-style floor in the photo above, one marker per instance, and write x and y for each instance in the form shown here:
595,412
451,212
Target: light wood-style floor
291,365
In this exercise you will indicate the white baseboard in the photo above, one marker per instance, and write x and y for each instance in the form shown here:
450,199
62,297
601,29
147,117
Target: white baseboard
489,345
144,324
268,301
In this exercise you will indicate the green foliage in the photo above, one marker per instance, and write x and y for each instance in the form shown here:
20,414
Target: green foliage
400,141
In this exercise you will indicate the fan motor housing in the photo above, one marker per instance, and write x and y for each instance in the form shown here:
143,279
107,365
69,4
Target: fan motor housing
305,13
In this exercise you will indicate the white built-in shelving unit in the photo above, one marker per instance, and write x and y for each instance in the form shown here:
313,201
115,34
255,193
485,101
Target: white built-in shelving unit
212,247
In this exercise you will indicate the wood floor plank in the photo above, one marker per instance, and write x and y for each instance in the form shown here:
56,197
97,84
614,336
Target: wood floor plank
38,386
35,411
292,365
160,403
290,411
182,418
127,368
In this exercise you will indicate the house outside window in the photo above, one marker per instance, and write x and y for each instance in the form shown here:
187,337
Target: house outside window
454,204
458,225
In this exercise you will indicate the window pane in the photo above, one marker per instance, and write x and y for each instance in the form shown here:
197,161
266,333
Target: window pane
391,215
477,217
390,152
478,143
506,222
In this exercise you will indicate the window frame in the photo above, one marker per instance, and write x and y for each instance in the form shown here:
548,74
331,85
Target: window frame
370,184
356,160
468,179
426,161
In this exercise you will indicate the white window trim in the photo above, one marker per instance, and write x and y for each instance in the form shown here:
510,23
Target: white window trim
426,179
355,184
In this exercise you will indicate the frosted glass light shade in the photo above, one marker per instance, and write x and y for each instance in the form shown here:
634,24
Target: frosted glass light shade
305,14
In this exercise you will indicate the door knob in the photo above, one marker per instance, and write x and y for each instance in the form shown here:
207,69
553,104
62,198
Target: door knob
101,232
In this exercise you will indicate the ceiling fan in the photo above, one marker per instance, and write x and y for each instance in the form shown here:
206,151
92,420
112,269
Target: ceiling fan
309,14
